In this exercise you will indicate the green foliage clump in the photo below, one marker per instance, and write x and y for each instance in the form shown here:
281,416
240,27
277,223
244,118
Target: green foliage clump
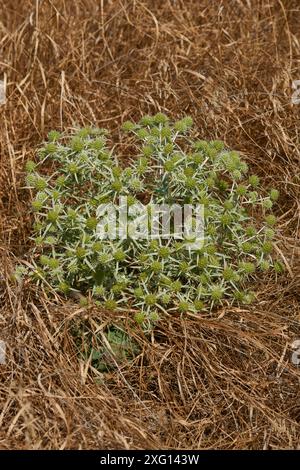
106,350
149,276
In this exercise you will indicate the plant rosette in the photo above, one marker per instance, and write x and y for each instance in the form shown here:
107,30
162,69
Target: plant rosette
76,174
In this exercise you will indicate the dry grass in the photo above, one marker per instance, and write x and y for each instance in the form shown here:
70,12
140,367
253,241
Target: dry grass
222,381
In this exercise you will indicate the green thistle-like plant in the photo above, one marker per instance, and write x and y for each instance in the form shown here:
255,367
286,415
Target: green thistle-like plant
149,276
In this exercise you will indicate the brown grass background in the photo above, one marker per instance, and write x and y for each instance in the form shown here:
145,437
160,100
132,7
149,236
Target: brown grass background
222,381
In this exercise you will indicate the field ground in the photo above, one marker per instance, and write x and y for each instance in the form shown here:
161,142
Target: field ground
224,380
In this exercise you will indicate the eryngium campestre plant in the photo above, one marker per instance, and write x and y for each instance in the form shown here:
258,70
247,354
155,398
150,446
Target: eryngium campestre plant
77,173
